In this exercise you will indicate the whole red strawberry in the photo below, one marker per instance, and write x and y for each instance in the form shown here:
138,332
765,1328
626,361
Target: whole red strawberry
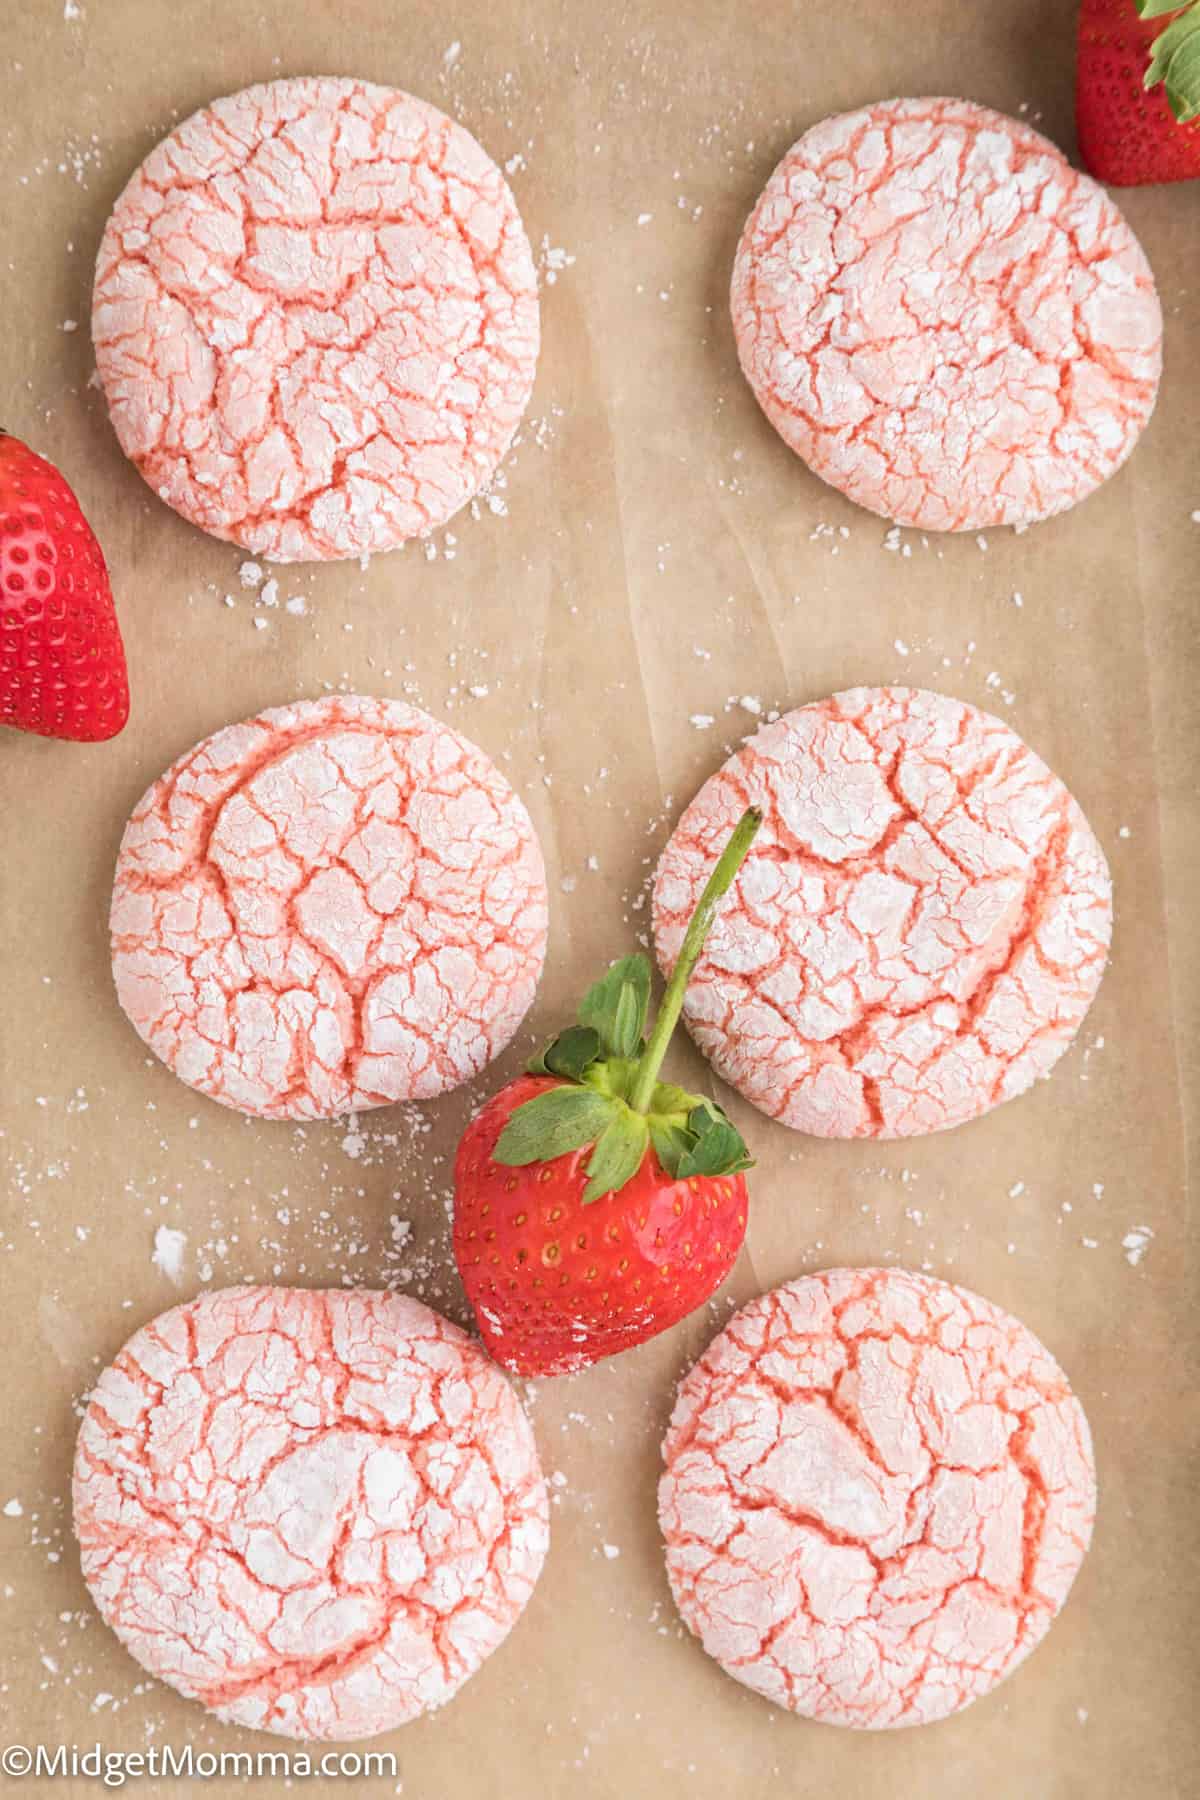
595,1205
1137,91
62,663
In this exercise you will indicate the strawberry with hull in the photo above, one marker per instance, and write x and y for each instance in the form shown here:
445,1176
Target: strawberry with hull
596,1205
1137,91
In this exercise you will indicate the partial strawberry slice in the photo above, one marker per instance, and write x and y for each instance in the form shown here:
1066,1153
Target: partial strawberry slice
595,1205
1137,95
62,662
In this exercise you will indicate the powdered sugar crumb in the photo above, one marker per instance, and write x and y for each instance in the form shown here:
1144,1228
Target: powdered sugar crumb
169,1247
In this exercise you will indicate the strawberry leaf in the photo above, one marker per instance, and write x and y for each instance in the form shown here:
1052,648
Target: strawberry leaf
1154,9
617,1005
1175,58
1183,78
618,1155
1167,43
671,1142
696,1138
667,1098
552,1124
570,1054
718,1148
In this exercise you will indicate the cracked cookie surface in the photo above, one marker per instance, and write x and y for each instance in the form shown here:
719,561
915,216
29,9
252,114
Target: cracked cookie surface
918,930
948,322
878,1491
315,318
335,905
317,1513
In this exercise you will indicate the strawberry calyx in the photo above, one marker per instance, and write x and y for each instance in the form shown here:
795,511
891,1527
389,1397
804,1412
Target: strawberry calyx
1175,55
609,1094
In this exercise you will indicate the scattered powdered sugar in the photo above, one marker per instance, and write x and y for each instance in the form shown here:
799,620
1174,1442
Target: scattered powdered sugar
834,535
1135,1243
77,160
552,261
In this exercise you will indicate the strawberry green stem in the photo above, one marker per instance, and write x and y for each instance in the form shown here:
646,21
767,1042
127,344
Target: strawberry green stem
717,886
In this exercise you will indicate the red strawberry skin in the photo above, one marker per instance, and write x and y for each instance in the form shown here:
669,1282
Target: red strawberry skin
62,662
556,1285
1127,136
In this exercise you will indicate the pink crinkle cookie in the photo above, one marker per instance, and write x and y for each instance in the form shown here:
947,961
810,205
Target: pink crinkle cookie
316,318
337,904
315,1513
918,930
878,1491
943,318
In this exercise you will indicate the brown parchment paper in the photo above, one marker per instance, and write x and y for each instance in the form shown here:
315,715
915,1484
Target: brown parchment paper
654,553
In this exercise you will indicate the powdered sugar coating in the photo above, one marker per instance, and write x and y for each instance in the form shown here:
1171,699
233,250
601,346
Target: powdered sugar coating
920,926
317,1513
337,904
948,322
878,1491
316,318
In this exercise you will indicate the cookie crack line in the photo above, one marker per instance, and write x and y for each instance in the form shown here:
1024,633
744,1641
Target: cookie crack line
315,1512
337,904
1029,348
316,318
878,1490
918,931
